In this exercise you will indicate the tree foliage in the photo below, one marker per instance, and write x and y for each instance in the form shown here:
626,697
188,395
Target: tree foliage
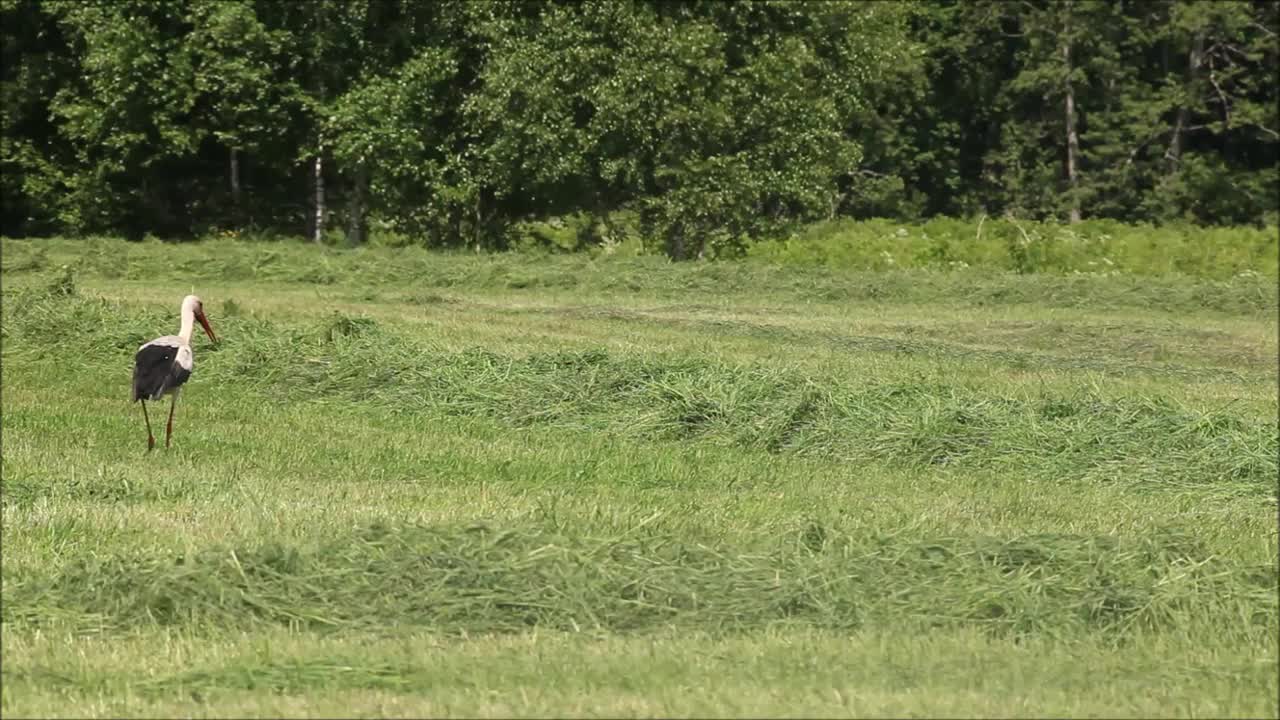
712,123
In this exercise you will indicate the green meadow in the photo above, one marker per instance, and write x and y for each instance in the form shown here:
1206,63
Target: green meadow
411,483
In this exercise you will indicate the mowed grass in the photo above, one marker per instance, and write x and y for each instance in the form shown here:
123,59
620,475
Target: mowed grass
413,484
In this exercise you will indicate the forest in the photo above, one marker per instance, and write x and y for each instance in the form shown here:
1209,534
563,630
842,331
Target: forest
701,126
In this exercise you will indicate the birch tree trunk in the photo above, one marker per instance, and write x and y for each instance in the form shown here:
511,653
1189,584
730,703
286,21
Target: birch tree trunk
318,179
1073,137
317,82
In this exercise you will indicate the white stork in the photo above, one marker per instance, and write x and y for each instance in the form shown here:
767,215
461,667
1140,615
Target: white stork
164,364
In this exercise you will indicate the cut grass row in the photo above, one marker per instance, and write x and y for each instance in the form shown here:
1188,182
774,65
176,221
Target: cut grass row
1088,434
481,579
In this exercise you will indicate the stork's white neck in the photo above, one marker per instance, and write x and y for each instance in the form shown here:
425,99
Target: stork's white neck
188,324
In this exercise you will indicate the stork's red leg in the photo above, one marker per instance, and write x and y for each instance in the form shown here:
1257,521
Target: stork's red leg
168,428
151,439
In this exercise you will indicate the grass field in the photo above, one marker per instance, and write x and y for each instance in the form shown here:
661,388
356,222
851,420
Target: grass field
413,484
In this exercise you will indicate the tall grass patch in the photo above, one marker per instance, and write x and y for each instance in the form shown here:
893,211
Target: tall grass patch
1095,246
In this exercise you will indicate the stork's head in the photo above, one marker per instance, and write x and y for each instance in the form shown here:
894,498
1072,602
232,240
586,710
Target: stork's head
192,304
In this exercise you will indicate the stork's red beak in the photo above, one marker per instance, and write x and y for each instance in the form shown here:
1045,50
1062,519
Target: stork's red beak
204,322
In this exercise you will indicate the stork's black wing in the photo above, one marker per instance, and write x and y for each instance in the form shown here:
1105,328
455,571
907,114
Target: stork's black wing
155,370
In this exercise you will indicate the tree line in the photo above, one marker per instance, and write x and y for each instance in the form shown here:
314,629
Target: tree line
705,123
